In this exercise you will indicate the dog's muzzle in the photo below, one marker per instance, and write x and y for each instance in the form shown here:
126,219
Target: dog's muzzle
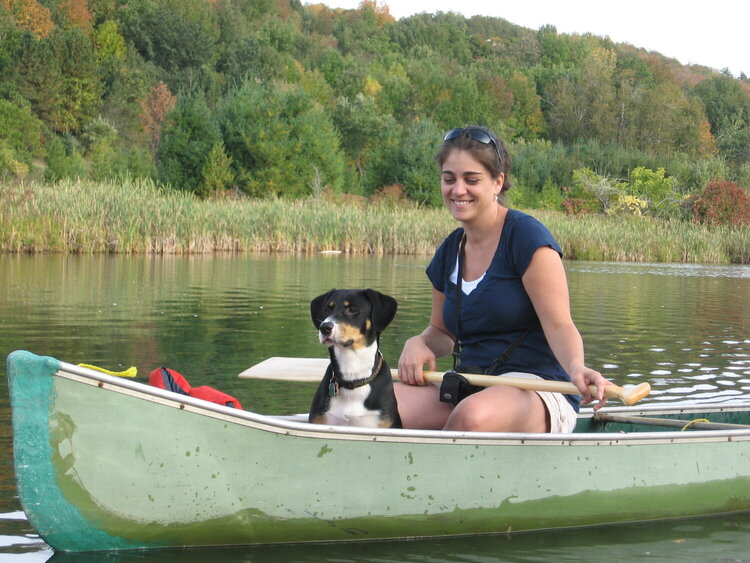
326,329
329,336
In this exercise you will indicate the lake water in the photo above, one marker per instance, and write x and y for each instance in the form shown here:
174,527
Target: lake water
683,328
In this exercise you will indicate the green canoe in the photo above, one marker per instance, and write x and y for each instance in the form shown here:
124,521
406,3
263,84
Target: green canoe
105,463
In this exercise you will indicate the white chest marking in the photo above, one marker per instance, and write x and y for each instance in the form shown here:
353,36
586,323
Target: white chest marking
348,407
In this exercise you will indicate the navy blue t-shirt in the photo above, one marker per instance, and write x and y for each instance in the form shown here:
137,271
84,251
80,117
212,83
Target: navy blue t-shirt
498,311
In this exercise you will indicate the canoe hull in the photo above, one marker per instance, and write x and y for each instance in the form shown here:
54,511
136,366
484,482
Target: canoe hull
107,464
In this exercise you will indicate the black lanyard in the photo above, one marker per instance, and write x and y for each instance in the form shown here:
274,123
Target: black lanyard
502,358
457,340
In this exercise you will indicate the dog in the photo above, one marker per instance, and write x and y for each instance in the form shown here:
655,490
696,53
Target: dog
357,389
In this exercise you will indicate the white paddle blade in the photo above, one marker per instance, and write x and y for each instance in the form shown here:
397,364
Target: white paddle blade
288,369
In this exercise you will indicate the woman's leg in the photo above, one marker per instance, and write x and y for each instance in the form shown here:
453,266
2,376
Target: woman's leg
500,409
420,407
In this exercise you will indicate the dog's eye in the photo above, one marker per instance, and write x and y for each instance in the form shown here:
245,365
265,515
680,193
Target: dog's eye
353,310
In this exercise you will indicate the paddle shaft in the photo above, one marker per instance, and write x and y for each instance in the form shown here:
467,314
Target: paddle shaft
629,396
312,370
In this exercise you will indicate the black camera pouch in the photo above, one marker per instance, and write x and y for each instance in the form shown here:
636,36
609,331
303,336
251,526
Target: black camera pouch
455,388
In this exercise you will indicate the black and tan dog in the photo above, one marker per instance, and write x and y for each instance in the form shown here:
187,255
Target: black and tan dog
357,389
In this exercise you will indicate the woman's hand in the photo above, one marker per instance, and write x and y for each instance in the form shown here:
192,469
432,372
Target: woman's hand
414,356
582,377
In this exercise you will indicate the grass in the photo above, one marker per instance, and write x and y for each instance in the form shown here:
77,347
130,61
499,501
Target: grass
139,217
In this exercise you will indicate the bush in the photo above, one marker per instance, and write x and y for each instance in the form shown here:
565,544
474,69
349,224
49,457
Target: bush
722,203
655,189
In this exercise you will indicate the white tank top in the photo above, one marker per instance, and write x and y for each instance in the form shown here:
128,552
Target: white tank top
466,286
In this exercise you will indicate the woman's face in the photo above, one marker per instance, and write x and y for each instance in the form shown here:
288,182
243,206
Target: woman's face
468,187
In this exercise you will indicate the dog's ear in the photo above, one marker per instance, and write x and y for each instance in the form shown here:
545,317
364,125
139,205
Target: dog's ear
383,309
317,306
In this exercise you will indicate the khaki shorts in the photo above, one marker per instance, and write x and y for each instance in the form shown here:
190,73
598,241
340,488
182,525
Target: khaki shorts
562,416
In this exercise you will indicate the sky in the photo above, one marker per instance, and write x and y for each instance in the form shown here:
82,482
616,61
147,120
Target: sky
707,33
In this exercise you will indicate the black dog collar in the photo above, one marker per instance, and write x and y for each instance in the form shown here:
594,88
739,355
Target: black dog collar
336,382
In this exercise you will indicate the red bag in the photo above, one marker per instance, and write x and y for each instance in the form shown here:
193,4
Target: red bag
165,378
170,380
215,396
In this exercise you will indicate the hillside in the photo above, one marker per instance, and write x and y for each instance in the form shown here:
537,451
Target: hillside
268,97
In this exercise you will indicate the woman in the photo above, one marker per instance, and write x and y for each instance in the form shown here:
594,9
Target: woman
513,315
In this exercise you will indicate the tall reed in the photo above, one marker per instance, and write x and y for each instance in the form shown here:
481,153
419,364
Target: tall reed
139,217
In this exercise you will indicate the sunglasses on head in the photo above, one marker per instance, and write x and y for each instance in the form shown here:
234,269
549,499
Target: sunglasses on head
479,135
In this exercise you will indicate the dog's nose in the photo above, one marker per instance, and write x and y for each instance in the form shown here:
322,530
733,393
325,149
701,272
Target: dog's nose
326,328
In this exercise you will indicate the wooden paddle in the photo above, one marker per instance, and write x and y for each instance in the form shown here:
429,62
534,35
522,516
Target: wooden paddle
312,370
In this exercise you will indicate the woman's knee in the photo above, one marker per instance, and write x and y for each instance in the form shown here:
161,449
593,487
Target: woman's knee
499,409
472,416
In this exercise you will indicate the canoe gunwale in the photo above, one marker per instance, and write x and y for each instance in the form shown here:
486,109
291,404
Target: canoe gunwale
288,426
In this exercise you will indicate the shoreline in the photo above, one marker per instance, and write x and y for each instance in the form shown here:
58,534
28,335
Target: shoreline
138,217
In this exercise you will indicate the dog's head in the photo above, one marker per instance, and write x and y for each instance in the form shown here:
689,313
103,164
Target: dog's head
352,317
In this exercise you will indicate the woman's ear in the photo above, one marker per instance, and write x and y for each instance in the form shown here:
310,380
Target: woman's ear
500,183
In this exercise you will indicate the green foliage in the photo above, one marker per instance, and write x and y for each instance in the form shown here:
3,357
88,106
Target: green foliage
10,165
64,159
99,140
648,192
407,160
654,188
280,140
173,34
20,132
187,140
588,186
217,173
361,127
110,44
728,112
694,175
82,88
550,197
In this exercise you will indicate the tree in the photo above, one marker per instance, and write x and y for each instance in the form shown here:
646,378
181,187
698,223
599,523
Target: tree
38,79
280,140
110,44
20,132
31,15
656,189
190,134
154,109
76,13
582,103
217,173
728,112
406,158
80,96
361,126
174,34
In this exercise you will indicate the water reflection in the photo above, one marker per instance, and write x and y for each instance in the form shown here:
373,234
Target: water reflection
681,327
